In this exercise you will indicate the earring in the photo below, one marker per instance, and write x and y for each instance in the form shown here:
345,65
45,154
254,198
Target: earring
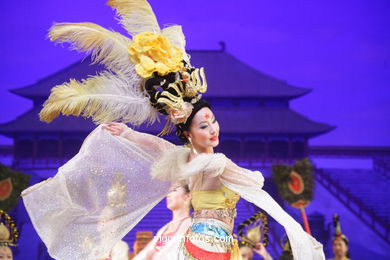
192,147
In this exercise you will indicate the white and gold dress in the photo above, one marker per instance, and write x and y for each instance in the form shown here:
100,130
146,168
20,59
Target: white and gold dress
98,196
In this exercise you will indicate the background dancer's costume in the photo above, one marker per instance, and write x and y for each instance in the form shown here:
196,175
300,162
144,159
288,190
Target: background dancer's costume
8,235
165,245
253,236
340,237
104,191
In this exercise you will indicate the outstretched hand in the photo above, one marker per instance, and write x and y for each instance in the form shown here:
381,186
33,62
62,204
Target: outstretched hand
260,249
115,128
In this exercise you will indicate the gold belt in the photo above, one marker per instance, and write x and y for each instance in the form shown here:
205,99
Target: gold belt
221,214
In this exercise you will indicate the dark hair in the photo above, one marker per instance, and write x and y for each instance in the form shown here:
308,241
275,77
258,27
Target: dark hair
152,86
342,238
186,188
286,255
155,94
181,128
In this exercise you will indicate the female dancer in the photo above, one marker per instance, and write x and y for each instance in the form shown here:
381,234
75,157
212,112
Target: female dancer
340,241
101,193
165,244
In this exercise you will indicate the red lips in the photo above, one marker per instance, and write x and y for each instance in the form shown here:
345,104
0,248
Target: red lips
214,138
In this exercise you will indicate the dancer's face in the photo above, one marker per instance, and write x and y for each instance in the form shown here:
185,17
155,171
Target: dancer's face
339,247
204,129
178,198
5,253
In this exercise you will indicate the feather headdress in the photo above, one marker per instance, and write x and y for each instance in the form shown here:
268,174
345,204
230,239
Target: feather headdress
120,93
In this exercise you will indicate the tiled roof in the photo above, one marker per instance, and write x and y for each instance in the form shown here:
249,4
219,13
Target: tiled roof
41,89
226,76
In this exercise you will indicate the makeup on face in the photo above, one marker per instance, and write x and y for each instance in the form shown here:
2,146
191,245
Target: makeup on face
209,123
203,124
204,130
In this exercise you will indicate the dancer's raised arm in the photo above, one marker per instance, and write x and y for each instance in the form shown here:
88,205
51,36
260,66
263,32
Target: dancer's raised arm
142,139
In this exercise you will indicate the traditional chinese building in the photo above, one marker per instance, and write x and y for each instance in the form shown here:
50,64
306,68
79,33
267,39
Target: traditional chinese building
257,124
258,127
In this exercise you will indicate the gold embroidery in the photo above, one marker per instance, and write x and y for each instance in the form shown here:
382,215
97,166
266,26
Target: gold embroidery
117,194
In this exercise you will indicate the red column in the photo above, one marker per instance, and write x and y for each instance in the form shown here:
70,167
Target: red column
305,221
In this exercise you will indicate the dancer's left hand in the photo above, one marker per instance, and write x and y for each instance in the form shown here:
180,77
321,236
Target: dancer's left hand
114,128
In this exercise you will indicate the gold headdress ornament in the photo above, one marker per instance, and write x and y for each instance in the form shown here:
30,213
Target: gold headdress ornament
8,232
119,93
254,230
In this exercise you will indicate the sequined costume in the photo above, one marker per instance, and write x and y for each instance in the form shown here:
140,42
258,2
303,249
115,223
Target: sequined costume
210,235
218,206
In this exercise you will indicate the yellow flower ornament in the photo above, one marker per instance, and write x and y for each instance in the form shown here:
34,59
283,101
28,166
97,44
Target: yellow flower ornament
153,52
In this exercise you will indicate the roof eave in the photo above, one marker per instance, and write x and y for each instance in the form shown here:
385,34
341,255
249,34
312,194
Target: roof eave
325,131
304,92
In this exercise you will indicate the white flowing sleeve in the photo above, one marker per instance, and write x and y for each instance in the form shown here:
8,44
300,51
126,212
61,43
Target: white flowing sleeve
97,197
147,141
248,184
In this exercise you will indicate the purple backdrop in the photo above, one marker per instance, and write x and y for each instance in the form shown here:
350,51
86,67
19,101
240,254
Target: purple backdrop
340,49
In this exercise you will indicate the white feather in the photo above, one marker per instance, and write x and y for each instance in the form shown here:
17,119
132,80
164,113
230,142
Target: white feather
105,46
176,37
106,97
136,16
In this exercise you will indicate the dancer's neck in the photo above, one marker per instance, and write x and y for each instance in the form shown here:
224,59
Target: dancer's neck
197,150
179,214
208,149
